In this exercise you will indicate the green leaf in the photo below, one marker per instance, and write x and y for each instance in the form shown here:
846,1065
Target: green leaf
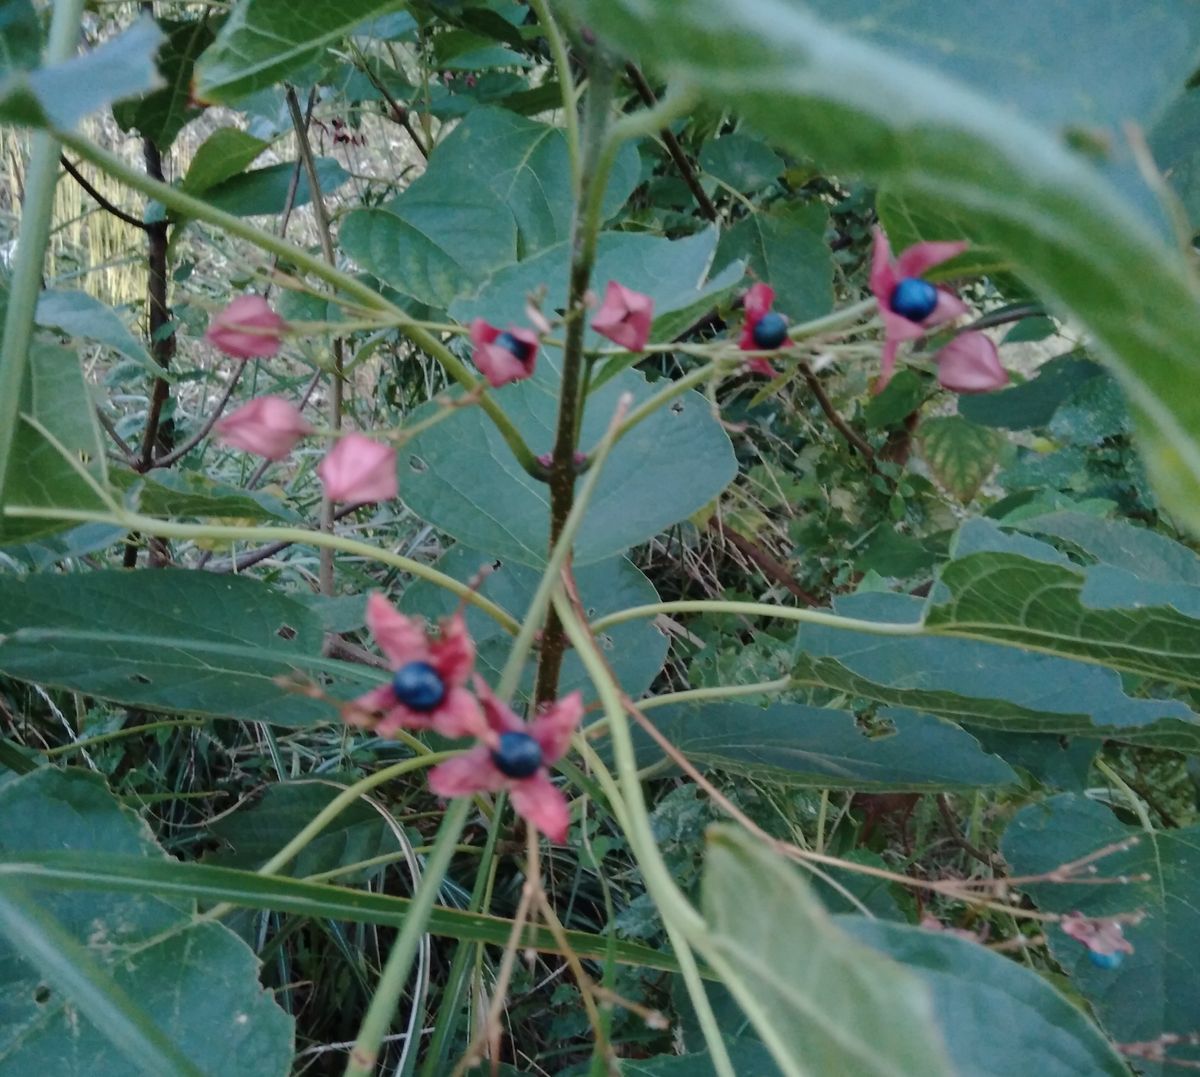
1029,595
1175,142
221,156
749,1057
80,315
56,397
120,873
742,162
265,190
808,989
1156,988
981,683
191,493
433,251
460,476
792,744
1033,403
162,114
899,399
853,107
171,640
20,36
788,249
62,94
635,651
960,454
152,949
976,991
263,42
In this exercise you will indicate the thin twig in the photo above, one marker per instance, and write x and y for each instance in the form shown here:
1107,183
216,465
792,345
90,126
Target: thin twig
1003,317
856,440
103,202
959,838
686,172
205,428
253,557
128,453
770,565
399,113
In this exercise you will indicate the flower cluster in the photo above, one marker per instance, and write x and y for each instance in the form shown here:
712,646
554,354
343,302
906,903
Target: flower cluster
428,690
357,470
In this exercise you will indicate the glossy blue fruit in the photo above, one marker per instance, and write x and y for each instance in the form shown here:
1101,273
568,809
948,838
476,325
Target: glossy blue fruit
770,332
418,686
520,348
914,299
518,755
1106,961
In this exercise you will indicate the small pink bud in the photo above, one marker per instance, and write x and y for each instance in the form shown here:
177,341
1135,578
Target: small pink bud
267,426
503,355
358,470
970,364
247,329
625,317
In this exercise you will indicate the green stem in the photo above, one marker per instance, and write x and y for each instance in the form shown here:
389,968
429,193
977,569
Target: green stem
760,609
188,206
830,323
36,215
169,529
395,973
562,67
104,738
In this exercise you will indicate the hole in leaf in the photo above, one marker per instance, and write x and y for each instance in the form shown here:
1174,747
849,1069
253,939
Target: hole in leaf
417,464
285,632
606,641
676,407
591,612
140,678
874,726
41,994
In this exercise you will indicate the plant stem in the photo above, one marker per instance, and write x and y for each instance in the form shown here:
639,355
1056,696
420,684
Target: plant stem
395,973
584,226
189,206
562,68
321,217
760,609
36,214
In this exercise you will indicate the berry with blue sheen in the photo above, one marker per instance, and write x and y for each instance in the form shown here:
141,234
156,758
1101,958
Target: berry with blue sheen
520,348
518,755
1106,961
770,332
914,299
418,686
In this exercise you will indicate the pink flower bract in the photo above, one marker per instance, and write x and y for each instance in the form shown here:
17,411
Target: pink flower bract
970,363
625,317
500,364
451,655
358,470
1101,936
886,273
247,329
756,304
536,799
266,426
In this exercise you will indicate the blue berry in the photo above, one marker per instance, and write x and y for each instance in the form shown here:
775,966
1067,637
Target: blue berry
520,348
418,686
518,755
770,332
914,299
1106,961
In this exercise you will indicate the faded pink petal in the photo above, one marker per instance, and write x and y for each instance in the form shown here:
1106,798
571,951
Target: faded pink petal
266,426
400,717
496,363
757,302
542,805
358,470
247,329
970,364
459,715
1099,935
500,718
918,259
453,653
625,317
401,638
553,727
949,307
759,365
471,772
883,279
364,710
